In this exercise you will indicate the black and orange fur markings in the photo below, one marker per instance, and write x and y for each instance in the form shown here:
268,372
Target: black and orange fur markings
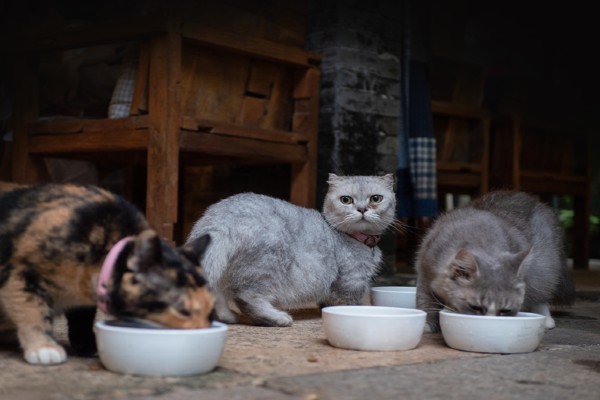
53,241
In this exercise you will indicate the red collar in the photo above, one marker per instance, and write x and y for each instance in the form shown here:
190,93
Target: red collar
106,272
369,240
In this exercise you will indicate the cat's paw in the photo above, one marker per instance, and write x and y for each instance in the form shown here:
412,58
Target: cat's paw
550,324
281,319
229,318
46,355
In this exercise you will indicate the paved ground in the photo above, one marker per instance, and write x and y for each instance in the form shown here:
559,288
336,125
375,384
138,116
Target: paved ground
297,363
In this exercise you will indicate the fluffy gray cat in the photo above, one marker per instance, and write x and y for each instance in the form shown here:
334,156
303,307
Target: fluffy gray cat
498,255
267,255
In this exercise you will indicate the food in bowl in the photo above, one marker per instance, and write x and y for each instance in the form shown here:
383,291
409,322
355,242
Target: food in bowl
159,351
493,334
394,296
373,328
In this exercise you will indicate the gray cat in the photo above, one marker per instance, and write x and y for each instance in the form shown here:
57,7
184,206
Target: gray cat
498,255
267,254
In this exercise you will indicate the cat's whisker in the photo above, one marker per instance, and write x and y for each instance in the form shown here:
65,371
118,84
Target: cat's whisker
399,226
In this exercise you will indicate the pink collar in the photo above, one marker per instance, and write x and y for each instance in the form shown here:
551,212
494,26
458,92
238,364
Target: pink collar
106,272
369,240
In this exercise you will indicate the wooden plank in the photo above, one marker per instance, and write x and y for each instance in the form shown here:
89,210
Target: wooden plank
88,142
139,100
253,111
459,166
214,83
552,186
225,129
62,126
459,180
256,47
89,35
201,142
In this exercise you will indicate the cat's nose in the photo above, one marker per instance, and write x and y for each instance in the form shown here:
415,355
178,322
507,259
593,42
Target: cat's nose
362,210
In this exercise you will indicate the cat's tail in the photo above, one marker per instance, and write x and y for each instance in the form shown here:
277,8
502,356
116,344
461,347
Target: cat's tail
215,258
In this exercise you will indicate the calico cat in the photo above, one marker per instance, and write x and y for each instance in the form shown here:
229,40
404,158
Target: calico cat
498,255
270,255
53,241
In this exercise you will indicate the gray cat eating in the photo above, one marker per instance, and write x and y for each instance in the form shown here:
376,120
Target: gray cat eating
498,255
268,255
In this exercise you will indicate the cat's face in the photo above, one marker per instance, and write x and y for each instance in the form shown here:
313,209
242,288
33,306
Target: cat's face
470,287
156,282
364,204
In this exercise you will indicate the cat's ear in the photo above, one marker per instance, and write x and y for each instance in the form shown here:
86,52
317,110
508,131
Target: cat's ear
147,250
518,261
388,180
464,266
194,250
333,179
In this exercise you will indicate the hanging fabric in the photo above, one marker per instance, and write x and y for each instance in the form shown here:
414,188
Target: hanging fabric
416,175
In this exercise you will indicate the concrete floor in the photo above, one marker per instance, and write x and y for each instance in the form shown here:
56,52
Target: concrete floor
298,363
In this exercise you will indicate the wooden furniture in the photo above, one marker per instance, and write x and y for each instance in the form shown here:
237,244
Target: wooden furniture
548,159
463,141
201,94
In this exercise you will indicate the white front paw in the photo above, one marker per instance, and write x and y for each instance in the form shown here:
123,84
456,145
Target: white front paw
46,355
550,324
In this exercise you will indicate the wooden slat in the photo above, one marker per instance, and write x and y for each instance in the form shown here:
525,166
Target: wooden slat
221,128
139,101
553,186
459,180
88,142
458,166
209,143
256,47
90,35
87,125
553,176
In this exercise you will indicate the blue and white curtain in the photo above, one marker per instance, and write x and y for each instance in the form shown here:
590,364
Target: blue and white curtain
416,175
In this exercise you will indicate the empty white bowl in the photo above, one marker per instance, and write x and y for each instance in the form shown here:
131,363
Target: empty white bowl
160,352
373,328
394,296
490,334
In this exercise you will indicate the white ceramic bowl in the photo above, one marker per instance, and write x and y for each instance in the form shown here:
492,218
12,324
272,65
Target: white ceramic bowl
490,334
373,328
394,296
160,352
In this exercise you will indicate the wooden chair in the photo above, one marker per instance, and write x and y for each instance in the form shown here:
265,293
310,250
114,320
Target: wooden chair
201,94
545,158
463,142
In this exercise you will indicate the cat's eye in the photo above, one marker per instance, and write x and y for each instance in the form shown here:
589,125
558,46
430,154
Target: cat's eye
376,198
346,200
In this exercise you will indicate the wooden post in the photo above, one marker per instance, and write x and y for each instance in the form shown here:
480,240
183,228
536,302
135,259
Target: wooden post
306,120
163,140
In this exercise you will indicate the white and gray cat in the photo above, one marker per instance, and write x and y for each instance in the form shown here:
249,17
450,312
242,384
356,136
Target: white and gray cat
498,255
268,255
